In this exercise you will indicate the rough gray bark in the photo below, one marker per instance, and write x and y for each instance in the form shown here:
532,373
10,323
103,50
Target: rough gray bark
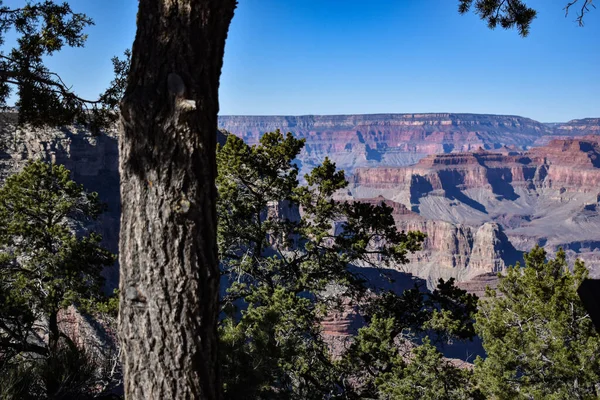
168,254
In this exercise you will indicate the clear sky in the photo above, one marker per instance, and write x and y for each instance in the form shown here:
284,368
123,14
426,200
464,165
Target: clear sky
293,57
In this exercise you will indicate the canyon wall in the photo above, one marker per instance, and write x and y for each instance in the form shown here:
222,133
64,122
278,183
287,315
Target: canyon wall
451,250
569,164
477,188
92,160
511,200
399,139
585,126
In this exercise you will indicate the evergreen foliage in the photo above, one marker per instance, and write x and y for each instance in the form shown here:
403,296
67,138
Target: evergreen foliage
516,13
43,98
385,358
539,340
421,374
286,274
48,261
507,13
287,269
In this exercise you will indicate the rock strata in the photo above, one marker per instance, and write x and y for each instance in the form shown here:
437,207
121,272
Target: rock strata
453,250
400,139
514,199
92,160
468,170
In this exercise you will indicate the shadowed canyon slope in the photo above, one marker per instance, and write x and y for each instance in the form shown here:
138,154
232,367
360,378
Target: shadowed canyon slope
92,160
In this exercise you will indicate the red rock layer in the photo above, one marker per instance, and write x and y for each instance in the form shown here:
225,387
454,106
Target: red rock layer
570,163
391,139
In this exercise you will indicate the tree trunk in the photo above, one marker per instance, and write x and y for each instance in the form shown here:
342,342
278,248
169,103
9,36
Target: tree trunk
168,253
52,385
53,331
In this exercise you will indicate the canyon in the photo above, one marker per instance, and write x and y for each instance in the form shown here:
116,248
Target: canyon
481,210
353,141
485,188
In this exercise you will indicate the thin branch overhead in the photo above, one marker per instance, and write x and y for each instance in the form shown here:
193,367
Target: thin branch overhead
516,13
585,8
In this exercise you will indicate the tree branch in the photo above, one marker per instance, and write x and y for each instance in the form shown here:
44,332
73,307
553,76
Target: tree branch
63,90
584,9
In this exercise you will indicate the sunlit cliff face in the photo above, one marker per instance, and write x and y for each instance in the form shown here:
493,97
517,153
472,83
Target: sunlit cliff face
391,139
547,195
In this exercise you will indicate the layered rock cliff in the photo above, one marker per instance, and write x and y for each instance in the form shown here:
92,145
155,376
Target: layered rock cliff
586,126
92,160
480,209
521,194
576,127
390,139
455,250
569,164
515,199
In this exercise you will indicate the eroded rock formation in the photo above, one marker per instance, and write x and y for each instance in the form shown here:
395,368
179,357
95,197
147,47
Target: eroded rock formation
452,250
496,204
400,139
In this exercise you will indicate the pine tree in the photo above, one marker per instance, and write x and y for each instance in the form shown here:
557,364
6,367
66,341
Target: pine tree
280,264
48,261
42,29
394,355
285,250
539,340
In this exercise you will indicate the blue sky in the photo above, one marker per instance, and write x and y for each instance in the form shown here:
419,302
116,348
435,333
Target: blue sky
293,57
